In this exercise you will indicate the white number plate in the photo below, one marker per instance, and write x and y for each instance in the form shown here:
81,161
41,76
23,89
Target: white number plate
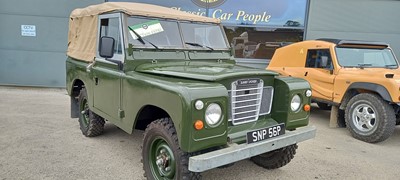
265,133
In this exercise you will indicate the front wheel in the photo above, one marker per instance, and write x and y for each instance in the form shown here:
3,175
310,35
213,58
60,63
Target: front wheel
275,159
369,118
162,156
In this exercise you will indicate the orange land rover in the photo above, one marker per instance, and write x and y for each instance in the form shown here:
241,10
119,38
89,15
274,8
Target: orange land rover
361,78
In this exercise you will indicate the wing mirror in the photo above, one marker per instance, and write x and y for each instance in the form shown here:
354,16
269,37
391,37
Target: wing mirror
106,48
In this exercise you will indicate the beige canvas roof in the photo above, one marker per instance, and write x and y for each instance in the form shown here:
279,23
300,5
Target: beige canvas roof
83,23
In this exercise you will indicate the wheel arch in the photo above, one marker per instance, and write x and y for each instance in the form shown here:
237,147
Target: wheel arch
377,88
75,89
356,87
147,114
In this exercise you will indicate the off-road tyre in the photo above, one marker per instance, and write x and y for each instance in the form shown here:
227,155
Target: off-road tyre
161,140
324,106
369,118
90,123
275,159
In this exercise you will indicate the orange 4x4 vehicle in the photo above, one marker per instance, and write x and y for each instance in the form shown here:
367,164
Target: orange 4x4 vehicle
361,78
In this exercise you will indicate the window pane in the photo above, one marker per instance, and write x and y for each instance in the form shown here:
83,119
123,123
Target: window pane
259,42
110,28
319,58
162,33
354,57
210,35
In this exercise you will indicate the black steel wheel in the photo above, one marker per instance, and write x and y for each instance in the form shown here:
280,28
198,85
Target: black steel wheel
162,156
90,123
275,159
369,118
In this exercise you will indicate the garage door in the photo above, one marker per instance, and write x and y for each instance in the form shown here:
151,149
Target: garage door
33,41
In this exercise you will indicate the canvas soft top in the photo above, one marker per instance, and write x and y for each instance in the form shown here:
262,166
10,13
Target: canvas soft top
83,23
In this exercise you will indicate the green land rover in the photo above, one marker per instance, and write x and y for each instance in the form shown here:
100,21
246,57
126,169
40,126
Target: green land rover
172,74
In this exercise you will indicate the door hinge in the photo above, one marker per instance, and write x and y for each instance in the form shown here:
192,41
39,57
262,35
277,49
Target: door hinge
121,113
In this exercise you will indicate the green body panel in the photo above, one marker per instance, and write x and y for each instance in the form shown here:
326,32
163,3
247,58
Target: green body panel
285,88
107,85
176,97
202,70
174,86
75,71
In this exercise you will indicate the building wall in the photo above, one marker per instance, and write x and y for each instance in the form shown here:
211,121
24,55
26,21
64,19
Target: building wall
35,60
40,60
374,20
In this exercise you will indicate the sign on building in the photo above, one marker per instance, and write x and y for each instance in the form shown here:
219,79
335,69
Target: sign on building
28,30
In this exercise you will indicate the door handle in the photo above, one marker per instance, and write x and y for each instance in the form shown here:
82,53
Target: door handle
305,74
96,80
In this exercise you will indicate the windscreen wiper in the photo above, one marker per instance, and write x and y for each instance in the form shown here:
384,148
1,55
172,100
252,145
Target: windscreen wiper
391,66
362,65
140,39
199,45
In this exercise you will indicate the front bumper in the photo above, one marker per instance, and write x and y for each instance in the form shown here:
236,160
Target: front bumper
237,152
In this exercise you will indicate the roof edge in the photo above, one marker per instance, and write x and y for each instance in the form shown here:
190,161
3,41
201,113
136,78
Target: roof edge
343,42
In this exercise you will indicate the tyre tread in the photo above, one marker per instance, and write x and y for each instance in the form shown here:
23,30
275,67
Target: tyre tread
96,122
167,125
388,121
281,157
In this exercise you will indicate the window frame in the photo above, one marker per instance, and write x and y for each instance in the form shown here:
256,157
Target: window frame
320,49
388,48
116,57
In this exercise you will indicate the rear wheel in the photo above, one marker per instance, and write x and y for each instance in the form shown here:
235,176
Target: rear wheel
275,159
162,156
324,106
369,118
90,123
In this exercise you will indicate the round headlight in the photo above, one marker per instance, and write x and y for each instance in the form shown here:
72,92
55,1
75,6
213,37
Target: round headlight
308,93
295,103
213,114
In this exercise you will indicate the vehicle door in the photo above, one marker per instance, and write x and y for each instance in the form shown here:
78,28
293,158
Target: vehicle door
319,72
107,72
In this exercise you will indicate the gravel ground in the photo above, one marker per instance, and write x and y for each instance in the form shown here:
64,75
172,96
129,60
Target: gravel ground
38,140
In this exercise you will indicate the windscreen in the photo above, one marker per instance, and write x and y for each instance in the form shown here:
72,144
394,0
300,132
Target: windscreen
161,33
356,57
197,35
165,34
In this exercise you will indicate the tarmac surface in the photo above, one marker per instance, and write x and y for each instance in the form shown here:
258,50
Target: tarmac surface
39,140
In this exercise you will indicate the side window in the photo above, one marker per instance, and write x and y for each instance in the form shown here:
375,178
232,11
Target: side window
319,58
110,27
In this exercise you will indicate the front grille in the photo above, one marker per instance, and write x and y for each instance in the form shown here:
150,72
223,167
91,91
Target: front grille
266,102
245,96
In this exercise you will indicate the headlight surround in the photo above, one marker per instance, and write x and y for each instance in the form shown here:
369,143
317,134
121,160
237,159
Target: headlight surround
213,114
308,93
295,103
199,105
